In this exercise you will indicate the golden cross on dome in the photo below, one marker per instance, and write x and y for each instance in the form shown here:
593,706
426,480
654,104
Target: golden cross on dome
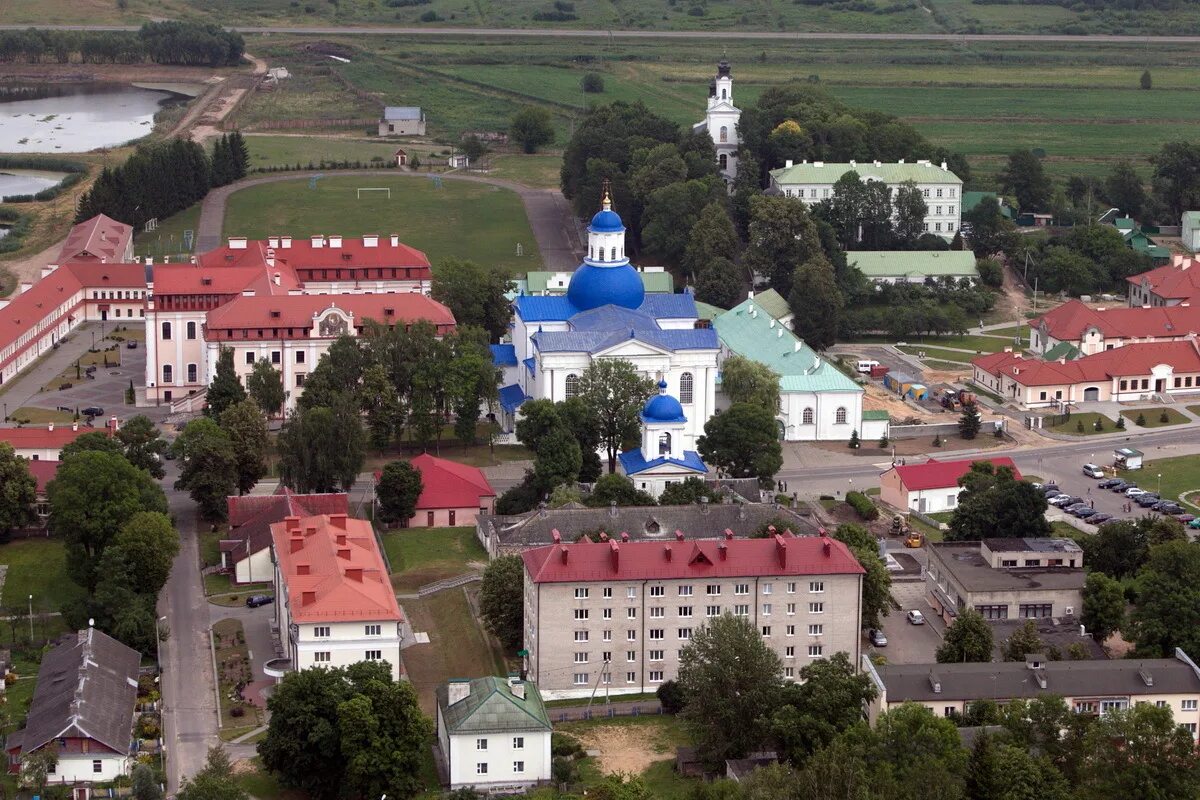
606,198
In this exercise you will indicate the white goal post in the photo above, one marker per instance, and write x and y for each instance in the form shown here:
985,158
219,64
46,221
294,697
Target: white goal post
375,189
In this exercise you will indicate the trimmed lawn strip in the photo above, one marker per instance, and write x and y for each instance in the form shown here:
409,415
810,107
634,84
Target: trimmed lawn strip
974,344
423,555
937,353
1088,418
32,415
1153,417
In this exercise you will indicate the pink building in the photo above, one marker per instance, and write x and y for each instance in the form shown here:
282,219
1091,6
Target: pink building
452,493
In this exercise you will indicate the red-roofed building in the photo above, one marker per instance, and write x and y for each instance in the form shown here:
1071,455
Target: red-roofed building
615,614
333,594
451,494
1133,372
45,442
930,487
1093,330
1170,285
246,551
43,472
101,239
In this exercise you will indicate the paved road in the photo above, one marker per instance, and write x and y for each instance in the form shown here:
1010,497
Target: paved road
548,211
567,33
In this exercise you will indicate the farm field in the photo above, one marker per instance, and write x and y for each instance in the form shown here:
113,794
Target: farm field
460,220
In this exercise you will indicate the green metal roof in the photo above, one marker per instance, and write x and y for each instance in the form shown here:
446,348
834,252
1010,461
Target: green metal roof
874,414
655,282
708,311
748,330
773,303
1124,224
1062,350
491,707
829,172
972,199
906,263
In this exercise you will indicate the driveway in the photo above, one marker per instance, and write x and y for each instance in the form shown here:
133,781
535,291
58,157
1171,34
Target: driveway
907,643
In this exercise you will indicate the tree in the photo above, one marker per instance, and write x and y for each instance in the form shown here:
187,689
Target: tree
147,544
672,212
914,753
143,444
1121,546
1024,177
216,781
397,492
712,237
1022,642
36,767
1124,189
322,449
854,443
475,294
686,492
828,700
614,392
382,405
246,428
1176,180
91,498
472,147
877,583
911,209
470,382
1146,82
531,127
991,231
618,489
743,441
92,442
145,784
265,385
575,415
994,504
732,682
817,303
1167,614
781,237
226,388
592,83
557,460
969,422
210,466
340,369
1137,752
345,732
18,492
501,600
1103,605
720,283
744,380
967,639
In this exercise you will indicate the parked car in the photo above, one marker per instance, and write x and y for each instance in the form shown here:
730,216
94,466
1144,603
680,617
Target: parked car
916,618
1186,519
1109,483
1134,491
93,411
1052,493
131,344
1087,512
1075,508
1063,500
877,638
1093,471
1194,523
256,600
1099,518
1167,507
1050,487
1121,485
1146,499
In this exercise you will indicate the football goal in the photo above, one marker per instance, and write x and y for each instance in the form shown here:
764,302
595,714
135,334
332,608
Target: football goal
375,189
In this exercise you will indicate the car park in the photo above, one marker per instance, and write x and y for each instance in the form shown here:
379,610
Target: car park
1099,518
256,600
916,617
877,638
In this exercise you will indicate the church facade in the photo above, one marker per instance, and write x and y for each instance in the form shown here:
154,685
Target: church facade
721,121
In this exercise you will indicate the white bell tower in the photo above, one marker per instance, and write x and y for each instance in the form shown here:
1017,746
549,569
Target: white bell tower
721,120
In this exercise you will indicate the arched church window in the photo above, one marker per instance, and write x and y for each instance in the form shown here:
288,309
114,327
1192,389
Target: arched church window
612,254
724,159
685,387
724,134
839,418
724,93
664,444
807,418
572,385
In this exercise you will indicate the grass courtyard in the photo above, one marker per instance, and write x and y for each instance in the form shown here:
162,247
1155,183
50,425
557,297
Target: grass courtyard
459,220
1153,417
422,555
1088,418
1179,476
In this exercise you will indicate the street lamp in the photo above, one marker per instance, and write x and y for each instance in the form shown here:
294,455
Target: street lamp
31,619
1159,492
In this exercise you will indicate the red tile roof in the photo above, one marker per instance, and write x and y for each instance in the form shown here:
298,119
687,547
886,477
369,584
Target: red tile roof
1178,280
45,437
296,311
1069,321
333,570
170,279
251,516
448,484
934,474
100,238
1128,361
785,554
352,254
43,472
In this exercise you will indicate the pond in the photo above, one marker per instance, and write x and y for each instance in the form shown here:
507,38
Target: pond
27,181
76,118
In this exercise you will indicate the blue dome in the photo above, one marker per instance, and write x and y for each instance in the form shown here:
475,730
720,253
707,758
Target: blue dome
662,407
592,287
606,221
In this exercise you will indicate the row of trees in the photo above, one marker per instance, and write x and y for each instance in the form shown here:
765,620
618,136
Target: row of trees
188,43
162,178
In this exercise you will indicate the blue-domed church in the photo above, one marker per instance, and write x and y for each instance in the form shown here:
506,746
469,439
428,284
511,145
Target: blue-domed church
606,313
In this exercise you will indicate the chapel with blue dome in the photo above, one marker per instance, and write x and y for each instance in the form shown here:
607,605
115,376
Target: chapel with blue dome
607,313
662,459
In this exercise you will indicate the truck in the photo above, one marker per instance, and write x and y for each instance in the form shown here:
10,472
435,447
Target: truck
954,399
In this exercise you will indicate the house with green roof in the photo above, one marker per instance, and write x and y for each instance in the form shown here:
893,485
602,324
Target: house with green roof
941,189
493,733
1140,242
818,402
913,266
972,199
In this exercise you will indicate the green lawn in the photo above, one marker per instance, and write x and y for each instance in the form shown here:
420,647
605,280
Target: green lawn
32,415
1088,419
273,151
1153,417
37,567
167,240
1194,409
1179,475
538,170
973,344
1016,331
460,220
937,353
422,555
949,366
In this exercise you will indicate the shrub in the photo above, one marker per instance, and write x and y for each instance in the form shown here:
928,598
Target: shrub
670,694
937,440
237,711
592,83
1164,417
1141,419
884,441
862,505
1120,422
564,746
1079,426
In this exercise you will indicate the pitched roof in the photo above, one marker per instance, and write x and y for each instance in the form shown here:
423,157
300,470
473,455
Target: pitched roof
633,462
748,330
298,311
773,303
491,707
402,112
511,397
86,687
1072,319
597,341
784,554
1178,280
170,279
333,570
913,263
45,437
301,253
934,474
1131,360
829,172
557,308
43,471
448,484
504,355
1014,679
100,238
251,516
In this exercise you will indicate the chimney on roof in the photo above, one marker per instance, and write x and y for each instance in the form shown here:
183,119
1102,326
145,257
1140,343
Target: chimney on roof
457,689
667,552
237,242
562,552
338,521
826,545
50,427
614,551
309,530
297,544
624,536
818,163
935,683
395,239
307,598
303,569
25,287
516,686
728,535
370,240
276,278
603,536
291,523
285,241
787,164
318,241
355,574
943,165
555,536
781,550
853,163
272,241
722,550
335,240
114,425
75,425
877,163
340,538
343,553
678,535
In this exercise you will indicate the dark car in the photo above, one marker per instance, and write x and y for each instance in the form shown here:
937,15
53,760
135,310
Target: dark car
256,600
1109,483
93,411
1147,500
1076,507
1122,486
1050,487
131,344
1086,512
1053,493
1099,518
1167,507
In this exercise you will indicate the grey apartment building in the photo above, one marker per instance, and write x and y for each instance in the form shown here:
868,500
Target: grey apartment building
612,616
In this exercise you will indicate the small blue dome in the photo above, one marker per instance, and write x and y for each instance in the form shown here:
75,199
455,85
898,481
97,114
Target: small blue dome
606,221
592,286
662,407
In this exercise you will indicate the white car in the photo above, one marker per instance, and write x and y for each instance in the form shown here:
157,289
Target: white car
1134,492
916,618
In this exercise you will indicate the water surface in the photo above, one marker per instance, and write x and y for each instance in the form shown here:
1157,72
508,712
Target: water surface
75,118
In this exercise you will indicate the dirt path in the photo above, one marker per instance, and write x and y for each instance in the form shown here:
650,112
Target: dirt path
205,118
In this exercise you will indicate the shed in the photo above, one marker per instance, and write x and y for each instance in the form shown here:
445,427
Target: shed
916,391
458,161
896,380
402,121
1127,458
401,158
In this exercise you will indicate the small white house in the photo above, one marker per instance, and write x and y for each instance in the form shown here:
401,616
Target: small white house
493,733
1190,230
458,161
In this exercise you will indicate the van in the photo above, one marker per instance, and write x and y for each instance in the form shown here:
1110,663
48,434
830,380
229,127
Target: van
1093,471
865,366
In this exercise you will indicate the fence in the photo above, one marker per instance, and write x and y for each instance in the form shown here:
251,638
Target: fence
941,429
285,124
599,710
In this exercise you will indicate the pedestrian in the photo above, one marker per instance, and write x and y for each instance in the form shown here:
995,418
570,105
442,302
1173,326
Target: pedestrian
1089,491
1091,503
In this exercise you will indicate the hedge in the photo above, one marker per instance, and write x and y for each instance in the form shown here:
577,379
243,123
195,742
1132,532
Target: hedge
862,505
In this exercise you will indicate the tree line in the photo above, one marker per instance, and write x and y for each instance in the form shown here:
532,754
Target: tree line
170,42
163,178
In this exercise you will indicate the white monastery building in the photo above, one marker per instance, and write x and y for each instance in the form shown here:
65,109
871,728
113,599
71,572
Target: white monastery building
721,121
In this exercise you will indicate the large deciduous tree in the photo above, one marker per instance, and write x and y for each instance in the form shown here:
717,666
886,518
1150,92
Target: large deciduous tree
614,392
215,781
1140,751
475,294
991,231
1167,614
911,209
877,583
1176,178
744,380
993,503
226,388
613,488
781,237
731,682
816,301
828,700
712,237
501,600
147,544
1024,178
92,442
322,449
143,444
967,639
743,441
18,492
265,385
397,492
1123,188
210,466
1103,605
246,427
531,127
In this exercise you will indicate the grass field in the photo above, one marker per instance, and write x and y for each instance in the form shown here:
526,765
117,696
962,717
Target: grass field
37,567
459,220
972,344
1088,418
167,240
422,555
1153,417
1179,475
